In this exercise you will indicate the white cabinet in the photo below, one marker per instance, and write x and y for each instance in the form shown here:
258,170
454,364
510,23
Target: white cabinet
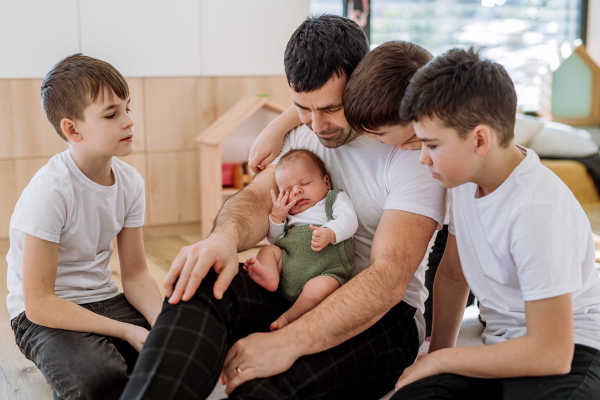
147,38
34,35
248,38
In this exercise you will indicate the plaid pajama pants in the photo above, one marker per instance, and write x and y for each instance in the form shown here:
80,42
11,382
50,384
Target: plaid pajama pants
186,349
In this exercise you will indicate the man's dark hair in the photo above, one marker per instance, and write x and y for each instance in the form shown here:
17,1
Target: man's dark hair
297,154
320,47
375,89
74,83
463,91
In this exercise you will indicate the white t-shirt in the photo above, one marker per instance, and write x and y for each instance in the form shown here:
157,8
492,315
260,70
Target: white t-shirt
527,240
344,223
63,206
378,177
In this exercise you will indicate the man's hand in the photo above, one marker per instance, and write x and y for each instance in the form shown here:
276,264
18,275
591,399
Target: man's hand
259,355
321,237
281,207
424,368
193,263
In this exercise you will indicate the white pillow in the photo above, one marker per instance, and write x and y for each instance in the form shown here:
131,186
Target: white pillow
560,140
526,127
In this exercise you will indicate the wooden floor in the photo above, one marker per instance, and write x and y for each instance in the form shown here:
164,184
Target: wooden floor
19,378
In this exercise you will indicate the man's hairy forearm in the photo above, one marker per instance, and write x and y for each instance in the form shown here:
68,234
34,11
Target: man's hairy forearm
398,249
245,216
350,310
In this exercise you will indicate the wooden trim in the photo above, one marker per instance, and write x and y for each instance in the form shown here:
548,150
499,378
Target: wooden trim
188,228
274,107
578,121
211,185
233,118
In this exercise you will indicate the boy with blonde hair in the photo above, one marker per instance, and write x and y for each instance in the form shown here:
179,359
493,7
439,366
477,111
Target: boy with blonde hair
518,239
67,315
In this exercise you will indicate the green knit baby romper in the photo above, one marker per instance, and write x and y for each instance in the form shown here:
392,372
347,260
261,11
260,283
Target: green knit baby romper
301,263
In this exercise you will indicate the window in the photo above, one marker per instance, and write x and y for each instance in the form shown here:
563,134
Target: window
528,37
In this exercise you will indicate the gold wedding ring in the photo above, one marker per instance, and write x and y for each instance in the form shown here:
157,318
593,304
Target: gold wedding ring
238,370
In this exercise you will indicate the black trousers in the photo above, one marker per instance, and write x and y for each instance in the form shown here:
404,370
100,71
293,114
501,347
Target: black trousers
582,383
78,364
186,349
434,259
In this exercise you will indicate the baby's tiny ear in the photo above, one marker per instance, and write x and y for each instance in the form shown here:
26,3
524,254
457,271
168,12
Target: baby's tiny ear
327,182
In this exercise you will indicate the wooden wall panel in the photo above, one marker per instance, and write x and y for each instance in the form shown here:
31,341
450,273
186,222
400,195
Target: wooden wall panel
168,112
177,110
230,90
138,161
6,136
31,134
173,182
14,177
138,113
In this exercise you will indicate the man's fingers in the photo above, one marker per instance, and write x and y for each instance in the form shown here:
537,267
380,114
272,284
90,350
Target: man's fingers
244,376
199,271
182,281
225,277
173,273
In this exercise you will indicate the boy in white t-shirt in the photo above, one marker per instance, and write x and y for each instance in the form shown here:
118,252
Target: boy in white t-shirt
311,250
67,315
518,238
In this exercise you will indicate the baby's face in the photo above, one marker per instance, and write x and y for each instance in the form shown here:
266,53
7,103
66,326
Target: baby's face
305,183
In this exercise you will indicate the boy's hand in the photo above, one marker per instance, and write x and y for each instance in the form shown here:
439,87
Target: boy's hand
281,207
265,148
321,237
424,368
136,336
411,144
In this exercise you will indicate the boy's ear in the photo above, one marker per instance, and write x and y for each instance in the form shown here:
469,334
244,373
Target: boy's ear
482,134
68,128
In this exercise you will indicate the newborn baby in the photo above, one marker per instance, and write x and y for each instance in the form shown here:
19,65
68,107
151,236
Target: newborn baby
311,227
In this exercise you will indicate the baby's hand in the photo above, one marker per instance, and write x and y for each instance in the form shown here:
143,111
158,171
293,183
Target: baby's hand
281,207
321,237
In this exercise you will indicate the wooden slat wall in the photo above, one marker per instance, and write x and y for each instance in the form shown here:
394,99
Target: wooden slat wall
168,112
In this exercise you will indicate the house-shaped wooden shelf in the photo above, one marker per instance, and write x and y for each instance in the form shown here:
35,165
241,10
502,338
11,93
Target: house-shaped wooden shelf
576,90
228,140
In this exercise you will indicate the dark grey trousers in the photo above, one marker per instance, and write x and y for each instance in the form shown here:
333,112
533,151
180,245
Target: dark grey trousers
582,383
185,351
82,365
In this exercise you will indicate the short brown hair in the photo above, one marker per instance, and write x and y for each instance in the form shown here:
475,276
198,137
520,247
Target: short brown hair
375,89
296,154
463,91
74,83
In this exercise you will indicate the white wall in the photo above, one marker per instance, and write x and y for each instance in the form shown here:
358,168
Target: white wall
593,30
35,34
149,38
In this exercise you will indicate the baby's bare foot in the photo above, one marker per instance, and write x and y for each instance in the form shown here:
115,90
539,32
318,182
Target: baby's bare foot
280,323
265,277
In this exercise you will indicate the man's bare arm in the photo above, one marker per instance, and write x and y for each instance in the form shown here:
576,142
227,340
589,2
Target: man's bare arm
241,224
245,216
398,248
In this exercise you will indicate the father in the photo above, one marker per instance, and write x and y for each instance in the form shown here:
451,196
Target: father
355,343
